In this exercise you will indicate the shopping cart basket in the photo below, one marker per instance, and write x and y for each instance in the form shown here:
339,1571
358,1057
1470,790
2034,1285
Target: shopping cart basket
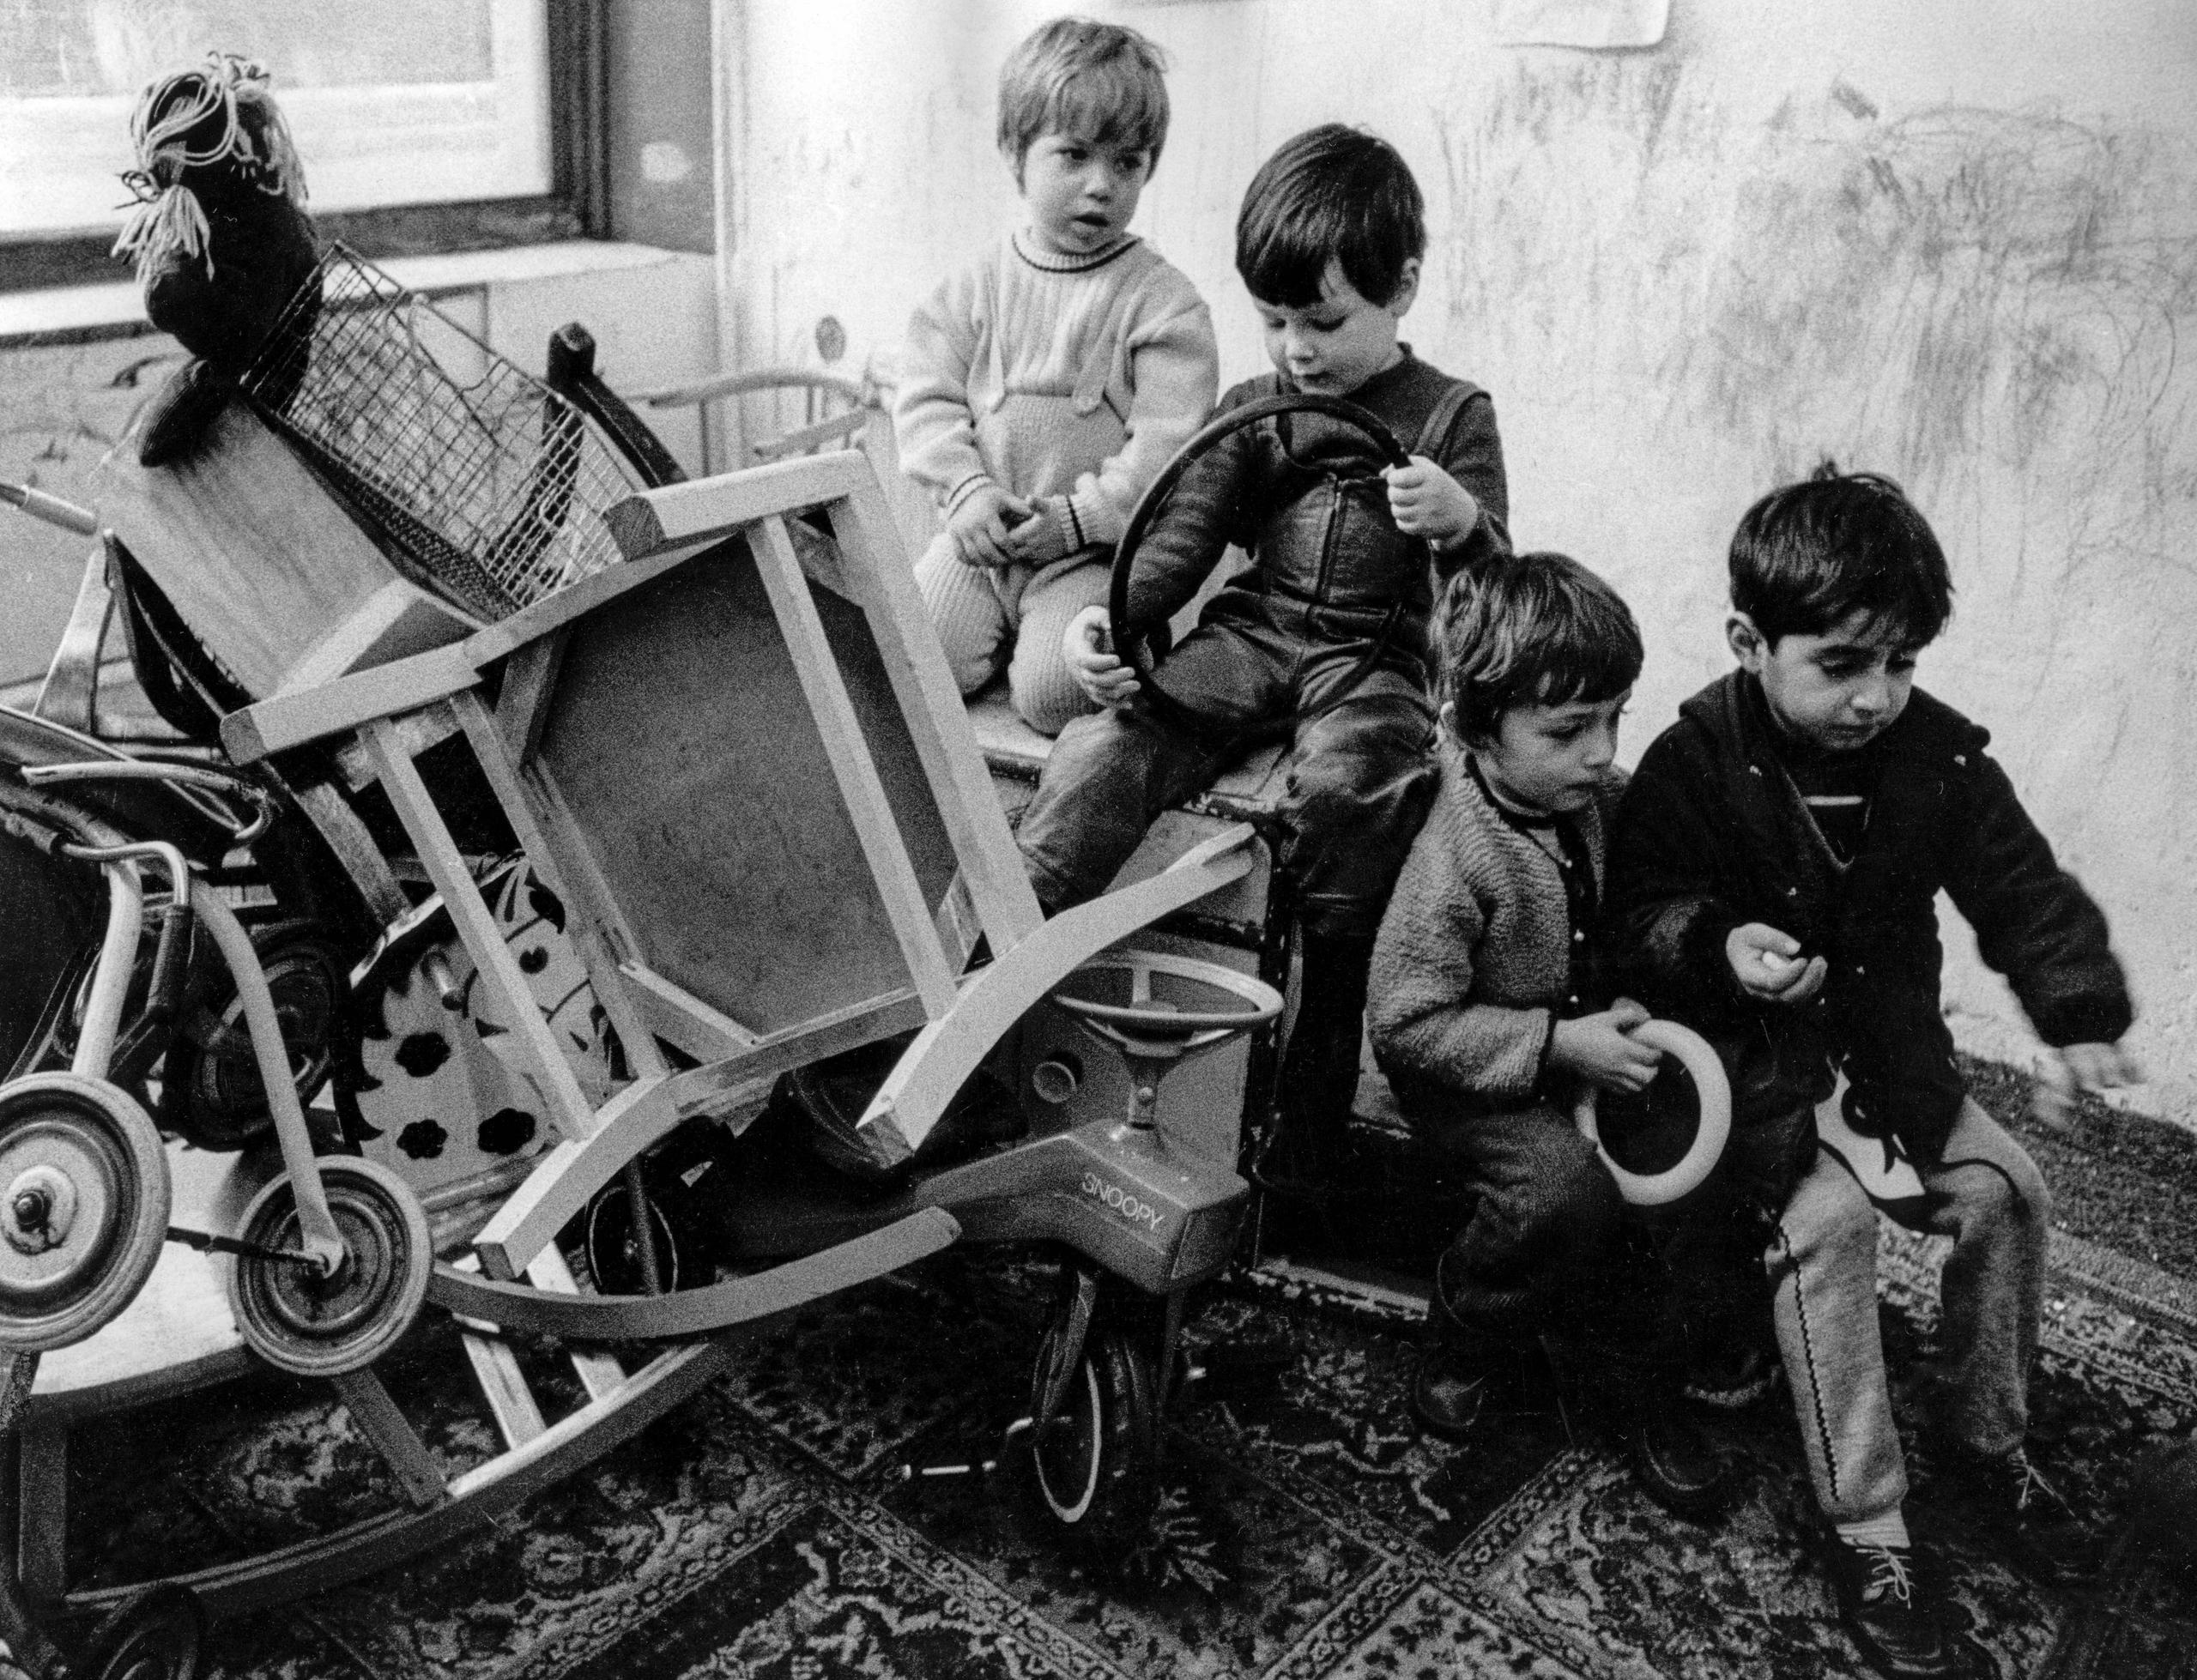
480,482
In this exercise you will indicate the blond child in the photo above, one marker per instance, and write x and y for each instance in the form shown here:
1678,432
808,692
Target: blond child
1045,384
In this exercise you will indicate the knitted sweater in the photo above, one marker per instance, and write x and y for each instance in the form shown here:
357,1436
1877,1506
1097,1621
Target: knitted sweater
1055,376
1473,962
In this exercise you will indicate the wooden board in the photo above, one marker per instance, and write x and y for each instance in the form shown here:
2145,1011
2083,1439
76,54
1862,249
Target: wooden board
178,1335
679,739
891,746
259,558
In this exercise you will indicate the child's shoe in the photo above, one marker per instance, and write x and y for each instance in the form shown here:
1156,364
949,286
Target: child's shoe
1459,1379
2030,1517
1308,1154
1733,1377
1675,1458
1891,1611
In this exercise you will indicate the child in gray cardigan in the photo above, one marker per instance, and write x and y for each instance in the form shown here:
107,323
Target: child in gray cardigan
1484,1014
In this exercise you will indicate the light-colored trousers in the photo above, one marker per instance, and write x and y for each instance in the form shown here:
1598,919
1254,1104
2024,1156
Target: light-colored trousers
1988,1196
1013,617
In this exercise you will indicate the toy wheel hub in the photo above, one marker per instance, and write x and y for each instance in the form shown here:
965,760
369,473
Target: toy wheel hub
64,1191
41,1209
303,1300
313,1326
83,1207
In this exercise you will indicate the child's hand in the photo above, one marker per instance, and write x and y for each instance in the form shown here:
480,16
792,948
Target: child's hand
1044,537
1100,672
1767,965
2078,1067
1425,502
979,526
1599,1049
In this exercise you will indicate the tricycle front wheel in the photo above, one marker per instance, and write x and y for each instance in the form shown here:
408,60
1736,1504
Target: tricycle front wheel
1098,1459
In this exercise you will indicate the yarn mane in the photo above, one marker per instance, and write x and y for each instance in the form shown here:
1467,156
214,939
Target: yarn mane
187,124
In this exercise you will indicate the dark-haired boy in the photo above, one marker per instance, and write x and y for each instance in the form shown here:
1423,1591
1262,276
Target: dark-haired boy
1486,1015
1773,874
1323,639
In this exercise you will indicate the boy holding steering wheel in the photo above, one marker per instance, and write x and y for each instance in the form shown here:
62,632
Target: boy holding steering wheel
1323,639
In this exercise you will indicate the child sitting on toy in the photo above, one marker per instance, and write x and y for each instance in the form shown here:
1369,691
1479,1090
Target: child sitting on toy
1324,639
1774,869
1485,1016
1046,384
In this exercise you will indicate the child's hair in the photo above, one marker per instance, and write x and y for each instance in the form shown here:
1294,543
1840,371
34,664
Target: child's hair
1807,554
1097,81
1333,193
1532,629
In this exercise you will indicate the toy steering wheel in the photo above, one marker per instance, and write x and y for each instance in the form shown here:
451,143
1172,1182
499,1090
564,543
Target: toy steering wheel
1693,1053
1197,1005
1128,639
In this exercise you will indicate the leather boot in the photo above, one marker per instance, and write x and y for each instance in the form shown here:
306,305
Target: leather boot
1308,1154
1459,1379
1674,1457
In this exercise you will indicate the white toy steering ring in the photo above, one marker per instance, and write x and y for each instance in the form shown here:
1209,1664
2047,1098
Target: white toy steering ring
1693,1054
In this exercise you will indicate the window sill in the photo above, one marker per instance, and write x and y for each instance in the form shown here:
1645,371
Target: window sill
80,314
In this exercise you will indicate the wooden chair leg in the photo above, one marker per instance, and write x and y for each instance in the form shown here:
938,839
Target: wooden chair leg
69,695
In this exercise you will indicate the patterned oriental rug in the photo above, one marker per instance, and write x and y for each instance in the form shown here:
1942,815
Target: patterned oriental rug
772,1528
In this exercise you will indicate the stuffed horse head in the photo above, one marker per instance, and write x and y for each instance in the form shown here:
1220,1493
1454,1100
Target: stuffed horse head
219,236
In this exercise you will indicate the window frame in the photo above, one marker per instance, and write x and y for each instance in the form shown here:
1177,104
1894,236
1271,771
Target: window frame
576,207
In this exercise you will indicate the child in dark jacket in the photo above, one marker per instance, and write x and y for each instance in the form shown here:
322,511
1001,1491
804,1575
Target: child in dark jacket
1774,871
1323,640
1485,1014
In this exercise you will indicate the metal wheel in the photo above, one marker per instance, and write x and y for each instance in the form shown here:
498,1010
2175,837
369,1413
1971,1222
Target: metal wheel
152,1635
218,1102
1098,1461
83,1207
311,1326
614,1257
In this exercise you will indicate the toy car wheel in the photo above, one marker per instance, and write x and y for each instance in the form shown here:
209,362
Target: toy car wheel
614,1253
218,1102
153,1635
310,1325
83,1207
1097,1460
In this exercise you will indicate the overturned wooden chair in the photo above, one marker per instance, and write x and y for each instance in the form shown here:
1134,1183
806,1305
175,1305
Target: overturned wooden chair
740,761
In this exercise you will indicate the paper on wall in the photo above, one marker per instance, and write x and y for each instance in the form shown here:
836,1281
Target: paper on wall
1581,23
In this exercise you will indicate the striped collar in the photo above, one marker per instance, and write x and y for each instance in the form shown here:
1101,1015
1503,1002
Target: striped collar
1045,262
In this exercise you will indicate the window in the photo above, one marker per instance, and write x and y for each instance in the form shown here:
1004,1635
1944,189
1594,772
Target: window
423,125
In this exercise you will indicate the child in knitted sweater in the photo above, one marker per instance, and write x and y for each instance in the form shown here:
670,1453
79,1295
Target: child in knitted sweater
1484,1013
1046,384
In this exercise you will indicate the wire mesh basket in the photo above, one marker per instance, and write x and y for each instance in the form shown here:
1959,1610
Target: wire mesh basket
482,483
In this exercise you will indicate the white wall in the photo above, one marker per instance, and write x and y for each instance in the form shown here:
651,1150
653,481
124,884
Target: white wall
1954,240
